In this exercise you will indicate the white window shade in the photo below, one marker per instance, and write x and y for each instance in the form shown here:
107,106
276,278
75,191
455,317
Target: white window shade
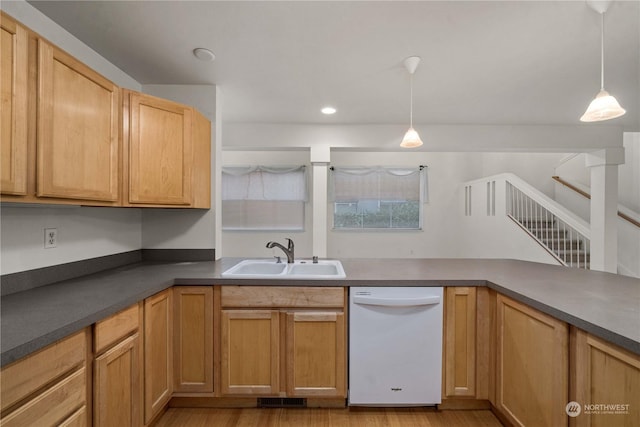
263,198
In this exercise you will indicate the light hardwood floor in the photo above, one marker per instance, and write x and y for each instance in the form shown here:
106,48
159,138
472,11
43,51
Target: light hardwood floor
360,417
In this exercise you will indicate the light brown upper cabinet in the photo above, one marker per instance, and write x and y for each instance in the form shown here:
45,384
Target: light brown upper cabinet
78,129
13,89
166,155
71,136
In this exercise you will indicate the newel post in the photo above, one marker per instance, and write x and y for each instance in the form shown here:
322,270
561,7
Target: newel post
604,207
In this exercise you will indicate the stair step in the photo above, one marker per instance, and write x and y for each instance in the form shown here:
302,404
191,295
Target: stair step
566,254
562,244
536,222
555,234
586,266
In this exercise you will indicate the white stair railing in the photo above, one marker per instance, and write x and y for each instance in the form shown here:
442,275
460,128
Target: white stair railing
564,241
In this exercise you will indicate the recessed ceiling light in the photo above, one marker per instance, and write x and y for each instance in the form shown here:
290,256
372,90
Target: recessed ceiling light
204,54
328,110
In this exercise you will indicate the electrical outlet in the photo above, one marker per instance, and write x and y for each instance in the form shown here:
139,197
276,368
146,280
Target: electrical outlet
50,238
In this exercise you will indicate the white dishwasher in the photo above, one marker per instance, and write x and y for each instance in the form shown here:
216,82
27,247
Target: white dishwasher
395,346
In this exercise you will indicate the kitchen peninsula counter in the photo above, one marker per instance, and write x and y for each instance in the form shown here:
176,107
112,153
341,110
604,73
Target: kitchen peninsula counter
603,304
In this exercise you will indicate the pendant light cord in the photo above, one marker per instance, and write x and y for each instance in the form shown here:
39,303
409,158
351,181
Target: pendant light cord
411,99
602,51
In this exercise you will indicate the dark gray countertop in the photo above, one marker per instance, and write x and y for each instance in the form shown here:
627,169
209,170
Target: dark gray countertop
606,305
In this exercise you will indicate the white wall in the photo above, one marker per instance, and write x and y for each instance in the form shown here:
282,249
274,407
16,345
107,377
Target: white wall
442,235
441,138
252,243
535,168
438,238
485,236
183,228
82,232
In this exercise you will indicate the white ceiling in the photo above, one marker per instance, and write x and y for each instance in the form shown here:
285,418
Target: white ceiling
483,62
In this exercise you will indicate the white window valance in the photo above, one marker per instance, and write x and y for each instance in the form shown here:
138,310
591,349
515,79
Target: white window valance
379,183
276,183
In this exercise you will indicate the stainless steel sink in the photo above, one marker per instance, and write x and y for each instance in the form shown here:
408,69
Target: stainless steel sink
301,269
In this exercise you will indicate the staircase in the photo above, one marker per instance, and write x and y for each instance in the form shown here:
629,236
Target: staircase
564,235
565,244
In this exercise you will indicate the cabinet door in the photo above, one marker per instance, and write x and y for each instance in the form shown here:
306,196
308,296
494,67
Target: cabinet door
603,373
316,354
531,366
160,156
117,385
158,353
250,349
193,339
201,161
460,342
78,129
13,111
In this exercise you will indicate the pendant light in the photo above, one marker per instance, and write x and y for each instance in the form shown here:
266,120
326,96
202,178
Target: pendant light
603,106
411,138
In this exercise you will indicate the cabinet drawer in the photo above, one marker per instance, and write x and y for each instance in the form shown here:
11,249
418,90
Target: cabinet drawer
52,406
27,375
281,296
109,331
77,419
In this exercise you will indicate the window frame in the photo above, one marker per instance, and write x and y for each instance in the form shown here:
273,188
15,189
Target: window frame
422,199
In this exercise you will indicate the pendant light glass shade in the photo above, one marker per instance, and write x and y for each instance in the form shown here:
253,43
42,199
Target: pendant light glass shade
603,106
411,138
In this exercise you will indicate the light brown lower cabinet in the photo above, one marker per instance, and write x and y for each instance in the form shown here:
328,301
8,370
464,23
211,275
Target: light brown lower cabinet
117,385
283,341
193,339
316,354
532,366
460,342
604,374
158,353
48,387
250,347
117,369
466,352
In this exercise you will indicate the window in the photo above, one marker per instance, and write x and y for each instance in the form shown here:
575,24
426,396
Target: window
263,198
378,198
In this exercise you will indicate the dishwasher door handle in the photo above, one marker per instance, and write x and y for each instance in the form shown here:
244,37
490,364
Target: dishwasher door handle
396,302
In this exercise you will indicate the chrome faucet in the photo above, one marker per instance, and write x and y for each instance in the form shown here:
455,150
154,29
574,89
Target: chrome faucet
288,250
